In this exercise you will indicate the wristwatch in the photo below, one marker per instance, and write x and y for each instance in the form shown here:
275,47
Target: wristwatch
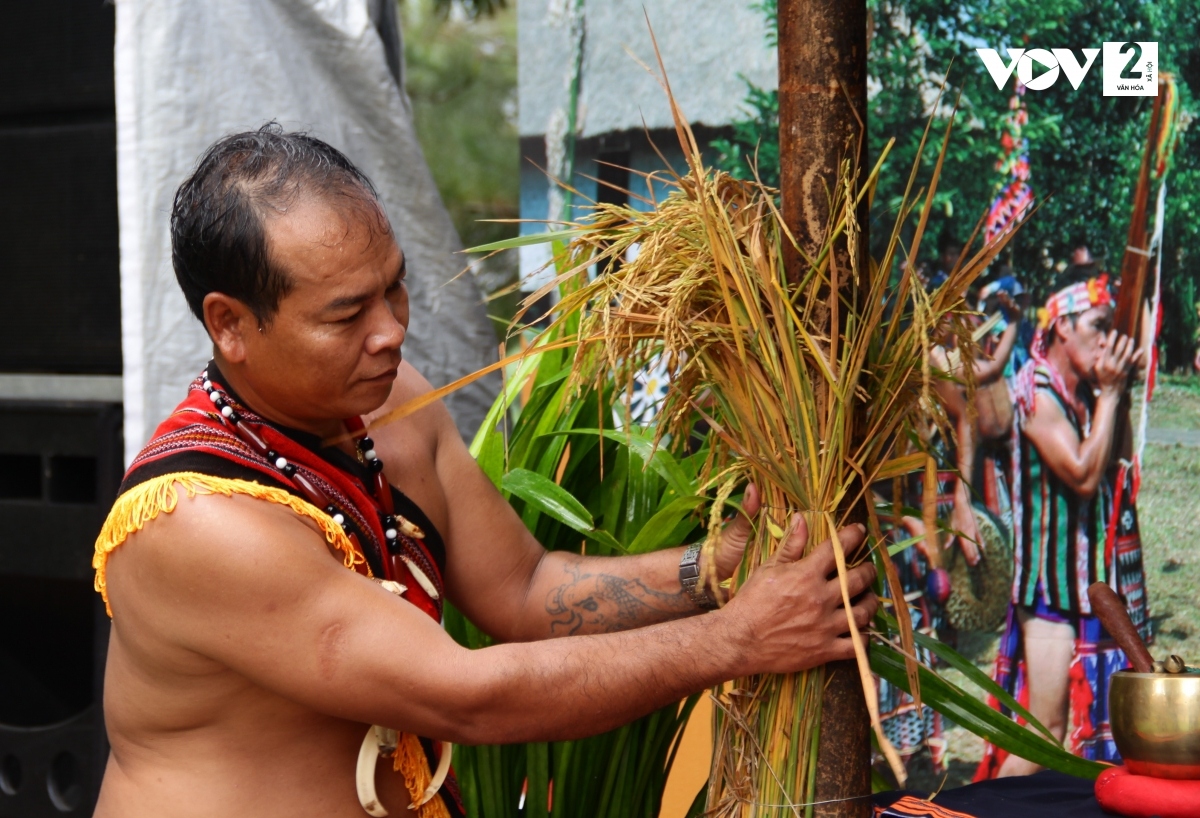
689,578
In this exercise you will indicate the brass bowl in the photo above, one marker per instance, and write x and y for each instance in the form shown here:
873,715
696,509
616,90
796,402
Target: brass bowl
1155,720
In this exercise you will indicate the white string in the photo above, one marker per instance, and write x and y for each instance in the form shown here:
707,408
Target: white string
1156,247
807,804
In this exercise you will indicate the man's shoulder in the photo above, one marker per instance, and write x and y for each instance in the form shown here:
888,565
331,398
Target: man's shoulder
1048,407
196,526
1049,426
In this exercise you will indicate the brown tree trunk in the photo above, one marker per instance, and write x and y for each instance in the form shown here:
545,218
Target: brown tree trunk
822,116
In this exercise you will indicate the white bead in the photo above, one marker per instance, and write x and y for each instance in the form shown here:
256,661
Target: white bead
390,533
227,410
339,519
214,396
281,463
207,385
369,454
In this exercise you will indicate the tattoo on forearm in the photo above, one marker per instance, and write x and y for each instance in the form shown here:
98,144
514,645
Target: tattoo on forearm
605,603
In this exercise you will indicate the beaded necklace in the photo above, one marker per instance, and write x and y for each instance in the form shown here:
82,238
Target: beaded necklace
393,523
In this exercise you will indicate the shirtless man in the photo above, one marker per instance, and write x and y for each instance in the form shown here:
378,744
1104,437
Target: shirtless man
246,663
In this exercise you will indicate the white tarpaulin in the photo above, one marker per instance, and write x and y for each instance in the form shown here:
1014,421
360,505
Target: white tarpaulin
190,71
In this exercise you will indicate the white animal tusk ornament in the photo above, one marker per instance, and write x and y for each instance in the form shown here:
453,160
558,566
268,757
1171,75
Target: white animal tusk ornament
377,741
364,776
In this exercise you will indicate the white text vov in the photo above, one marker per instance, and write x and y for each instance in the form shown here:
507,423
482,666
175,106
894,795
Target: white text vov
1130,69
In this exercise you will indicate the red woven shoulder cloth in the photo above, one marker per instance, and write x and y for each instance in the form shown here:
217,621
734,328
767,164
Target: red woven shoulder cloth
195,426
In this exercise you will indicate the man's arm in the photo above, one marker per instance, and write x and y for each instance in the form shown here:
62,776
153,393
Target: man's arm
507,584
1081,463
581,595
555,593
988,369
962,518
252,586
953,396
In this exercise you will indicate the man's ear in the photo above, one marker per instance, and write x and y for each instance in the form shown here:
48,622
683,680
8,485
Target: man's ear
1060,327
229,323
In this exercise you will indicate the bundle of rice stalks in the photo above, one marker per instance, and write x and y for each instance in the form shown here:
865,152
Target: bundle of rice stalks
807,382
815,384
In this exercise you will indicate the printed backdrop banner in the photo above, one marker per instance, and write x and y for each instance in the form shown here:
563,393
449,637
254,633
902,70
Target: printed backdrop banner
188,73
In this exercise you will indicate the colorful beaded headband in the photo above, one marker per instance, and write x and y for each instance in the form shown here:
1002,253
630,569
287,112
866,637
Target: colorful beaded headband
1077,298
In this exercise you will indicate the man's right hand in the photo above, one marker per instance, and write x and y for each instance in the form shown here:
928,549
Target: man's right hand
1115,361
789,613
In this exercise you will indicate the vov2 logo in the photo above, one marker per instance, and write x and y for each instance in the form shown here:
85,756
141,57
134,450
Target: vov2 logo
1130,69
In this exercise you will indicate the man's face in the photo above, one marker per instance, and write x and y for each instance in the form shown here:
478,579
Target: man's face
1086,339
332,348
949,257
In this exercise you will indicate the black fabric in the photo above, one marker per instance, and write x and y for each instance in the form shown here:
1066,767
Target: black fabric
216,466
202,462
1047,794
450,794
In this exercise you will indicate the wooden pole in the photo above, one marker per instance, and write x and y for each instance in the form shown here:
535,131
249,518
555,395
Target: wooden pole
822,115
1135,263
1136,259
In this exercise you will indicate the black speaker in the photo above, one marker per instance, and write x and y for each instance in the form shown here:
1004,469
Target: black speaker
60,461
58,189
56,58
58,250
60,465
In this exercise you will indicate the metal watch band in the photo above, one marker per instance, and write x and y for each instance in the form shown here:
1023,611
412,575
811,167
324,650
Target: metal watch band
689,578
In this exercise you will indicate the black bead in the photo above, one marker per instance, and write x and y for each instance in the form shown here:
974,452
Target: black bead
389,522
393,546
234,418
272,455
376,465
331,509
366,444
289,469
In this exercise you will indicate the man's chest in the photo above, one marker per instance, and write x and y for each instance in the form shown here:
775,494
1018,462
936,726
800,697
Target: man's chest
410,463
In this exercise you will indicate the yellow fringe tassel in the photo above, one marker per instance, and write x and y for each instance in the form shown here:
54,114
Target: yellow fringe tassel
145,501
409,760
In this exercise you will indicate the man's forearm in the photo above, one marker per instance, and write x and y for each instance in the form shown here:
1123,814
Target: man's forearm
570,595
989,369
582,686
786,617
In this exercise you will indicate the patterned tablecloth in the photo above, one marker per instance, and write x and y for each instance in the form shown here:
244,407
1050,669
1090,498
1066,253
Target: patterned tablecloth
1043,795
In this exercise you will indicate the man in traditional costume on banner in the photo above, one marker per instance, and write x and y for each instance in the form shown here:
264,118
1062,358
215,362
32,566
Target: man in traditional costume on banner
276,596
1055,657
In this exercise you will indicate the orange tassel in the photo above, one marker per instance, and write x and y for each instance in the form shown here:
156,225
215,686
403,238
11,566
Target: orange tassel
409,760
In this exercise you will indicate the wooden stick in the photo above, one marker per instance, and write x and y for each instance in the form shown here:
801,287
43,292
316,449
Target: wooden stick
1110,610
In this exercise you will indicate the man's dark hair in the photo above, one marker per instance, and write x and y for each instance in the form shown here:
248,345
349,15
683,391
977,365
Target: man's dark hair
948,239
218,238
